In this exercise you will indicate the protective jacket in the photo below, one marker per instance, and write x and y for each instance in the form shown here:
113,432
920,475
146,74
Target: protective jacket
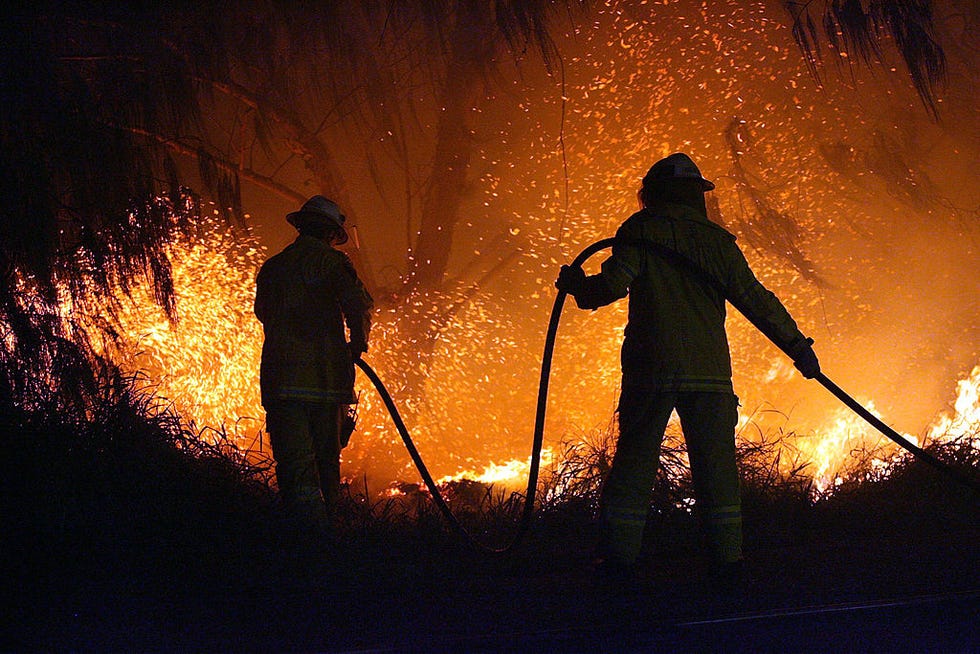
675,336
304,295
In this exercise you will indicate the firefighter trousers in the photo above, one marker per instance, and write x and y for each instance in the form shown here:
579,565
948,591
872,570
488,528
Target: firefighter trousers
708,422
305,438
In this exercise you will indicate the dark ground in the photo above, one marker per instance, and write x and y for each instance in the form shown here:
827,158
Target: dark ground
916,592
122,546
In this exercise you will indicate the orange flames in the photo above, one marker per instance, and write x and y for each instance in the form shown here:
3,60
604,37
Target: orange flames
834,448
207,367
964,422
640,85
510,474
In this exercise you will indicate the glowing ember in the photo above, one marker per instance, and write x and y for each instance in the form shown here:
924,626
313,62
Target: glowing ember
207,366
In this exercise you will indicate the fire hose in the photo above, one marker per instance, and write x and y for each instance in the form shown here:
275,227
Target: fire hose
542,404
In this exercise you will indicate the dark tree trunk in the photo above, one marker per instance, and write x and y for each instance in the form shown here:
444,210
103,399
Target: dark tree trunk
470,54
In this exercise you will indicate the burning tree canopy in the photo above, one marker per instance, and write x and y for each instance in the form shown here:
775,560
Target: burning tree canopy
472,169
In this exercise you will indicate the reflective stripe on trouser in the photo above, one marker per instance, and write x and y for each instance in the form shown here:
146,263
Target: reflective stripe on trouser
622,532
306,448
708,421
723,525
625,498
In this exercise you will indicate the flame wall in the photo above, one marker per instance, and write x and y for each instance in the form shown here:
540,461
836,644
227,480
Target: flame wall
882,201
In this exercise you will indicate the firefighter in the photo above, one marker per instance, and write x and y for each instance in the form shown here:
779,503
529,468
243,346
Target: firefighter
675,355
304,296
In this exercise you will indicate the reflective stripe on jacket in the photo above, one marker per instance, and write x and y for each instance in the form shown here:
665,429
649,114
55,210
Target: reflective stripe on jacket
304,296
675,337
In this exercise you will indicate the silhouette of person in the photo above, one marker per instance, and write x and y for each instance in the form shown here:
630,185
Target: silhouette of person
675,355
304,297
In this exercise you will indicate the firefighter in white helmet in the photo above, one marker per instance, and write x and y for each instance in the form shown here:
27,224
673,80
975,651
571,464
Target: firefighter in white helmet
675,355
304,297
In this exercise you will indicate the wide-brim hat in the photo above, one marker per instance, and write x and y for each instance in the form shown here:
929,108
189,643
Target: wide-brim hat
318,210
677,166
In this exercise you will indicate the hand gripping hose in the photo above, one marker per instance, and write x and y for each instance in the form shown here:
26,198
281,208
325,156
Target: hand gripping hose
679,260
542,404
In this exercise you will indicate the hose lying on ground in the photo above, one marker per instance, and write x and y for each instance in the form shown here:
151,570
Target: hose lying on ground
542,404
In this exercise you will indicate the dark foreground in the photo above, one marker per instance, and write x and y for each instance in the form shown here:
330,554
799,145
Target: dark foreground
114,541
917,592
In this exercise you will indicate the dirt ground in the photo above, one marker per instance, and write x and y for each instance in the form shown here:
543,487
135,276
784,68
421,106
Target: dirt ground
399,592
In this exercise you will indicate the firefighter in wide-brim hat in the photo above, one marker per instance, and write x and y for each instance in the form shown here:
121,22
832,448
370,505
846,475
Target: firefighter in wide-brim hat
675,355
305,296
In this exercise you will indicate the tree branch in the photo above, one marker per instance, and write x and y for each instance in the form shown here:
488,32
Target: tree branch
245,173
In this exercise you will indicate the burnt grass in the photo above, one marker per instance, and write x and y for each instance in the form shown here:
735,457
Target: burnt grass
122,533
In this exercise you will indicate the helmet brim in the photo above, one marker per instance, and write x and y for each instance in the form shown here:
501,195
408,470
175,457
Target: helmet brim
299,218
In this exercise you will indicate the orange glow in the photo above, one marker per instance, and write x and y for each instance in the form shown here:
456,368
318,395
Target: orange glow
964,422
511,474
893,323
832,449
207,367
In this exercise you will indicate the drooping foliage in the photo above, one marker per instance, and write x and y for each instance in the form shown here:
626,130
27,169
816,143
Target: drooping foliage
97,101
860,27
104,106
86,205
765,225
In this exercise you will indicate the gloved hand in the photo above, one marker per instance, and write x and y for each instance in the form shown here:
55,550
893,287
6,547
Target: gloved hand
805,359
357,348
570,280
